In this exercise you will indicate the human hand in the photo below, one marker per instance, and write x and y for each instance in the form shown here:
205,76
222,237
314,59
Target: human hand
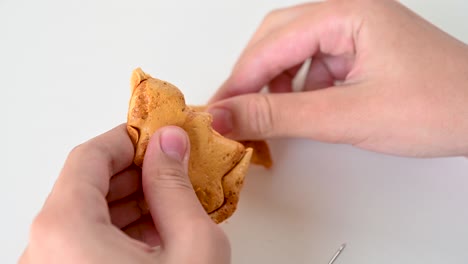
381,78
92,214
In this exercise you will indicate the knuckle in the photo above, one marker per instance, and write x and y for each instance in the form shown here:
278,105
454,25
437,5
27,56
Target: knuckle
170,178
77,150
90,146
220,238
351,5
46,231
273,15
38,227
79,153
84,149
92,150
205,227
216,237
342,2
260,109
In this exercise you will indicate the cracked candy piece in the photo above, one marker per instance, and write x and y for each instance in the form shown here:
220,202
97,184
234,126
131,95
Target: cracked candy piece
261,152
217,165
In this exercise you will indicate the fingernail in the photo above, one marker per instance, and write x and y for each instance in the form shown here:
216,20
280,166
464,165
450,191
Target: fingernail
222,120
173,142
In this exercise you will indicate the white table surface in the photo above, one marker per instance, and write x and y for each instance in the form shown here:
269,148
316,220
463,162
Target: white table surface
64,73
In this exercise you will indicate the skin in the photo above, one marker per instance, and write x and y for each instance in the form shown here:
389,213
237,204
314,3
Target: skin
92,214
381,78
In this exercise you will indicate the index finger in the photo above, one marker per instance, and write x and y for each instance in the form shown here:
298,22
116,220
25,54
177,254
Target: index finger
320,29
84,180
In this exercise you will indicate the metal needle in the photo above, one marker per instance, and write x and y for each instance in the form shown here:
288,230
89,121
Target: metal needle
338,252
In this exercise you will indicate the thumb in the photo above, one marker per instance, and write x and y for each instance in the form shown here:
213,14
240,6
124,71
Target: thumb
166,186
330,115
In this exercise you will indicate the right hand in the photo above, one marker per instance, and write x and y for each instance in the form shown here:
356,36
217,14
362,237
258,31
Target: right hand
403,83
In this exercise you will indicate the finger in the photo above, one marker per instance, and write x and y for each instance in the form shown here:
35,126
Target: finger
125,212
273,21
287,46
144,231
331,115
166,186
318,77
325,70
283,82
84,181
124,184
277,19
97,160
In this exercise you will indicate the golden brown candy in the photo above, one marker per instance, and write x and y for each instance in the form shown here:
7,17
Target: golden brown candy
217,165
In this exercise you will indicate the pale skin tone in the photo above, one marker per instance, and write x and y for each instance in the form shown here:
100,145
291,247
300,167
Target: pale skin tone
92,214
403,90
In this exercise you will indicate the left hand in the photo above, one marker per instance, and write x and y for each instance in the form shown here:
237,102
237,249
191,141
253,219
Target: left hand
93,214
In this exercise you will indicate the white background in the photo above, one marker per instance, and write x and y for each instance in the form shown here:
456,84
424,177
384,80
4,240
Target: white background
64,74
